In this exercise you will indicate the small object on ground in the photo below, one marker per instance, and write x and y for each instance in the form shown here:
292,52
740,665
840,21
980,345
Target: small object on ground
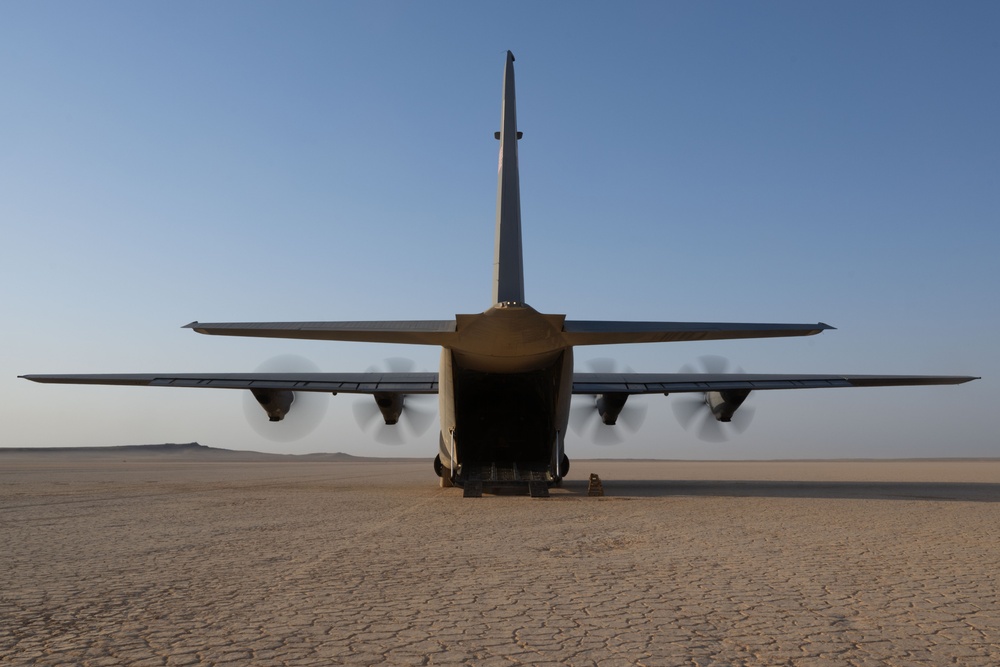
595,488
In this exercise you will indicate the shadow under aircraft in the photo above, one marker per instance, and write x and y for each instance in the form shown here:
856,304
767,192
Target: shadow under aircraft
987,492
506,375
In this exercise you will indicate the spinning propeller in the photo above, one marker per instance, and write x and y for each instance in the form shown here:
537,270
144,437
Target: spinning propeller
392,418
305,409
595,417
714,414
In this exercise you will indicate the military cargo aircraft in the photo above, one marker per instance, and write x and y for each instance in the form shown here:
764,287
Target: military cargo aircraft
506,375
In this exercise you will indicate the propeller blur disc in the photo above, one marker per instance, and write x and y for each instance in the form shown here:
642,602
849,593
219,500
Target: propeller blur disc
586,421
417,416
693,412
307,410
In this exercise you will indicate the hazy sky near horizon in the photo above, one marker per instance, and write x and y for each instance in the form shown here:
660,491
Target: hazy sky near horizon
235,161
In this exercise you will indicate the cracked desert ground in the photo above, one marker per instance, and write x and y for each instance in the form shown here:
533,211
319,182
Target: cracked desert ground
167,560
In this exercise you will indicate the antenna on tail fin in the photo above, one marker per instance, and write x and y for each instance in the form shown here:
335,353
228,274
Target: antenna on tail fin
508,268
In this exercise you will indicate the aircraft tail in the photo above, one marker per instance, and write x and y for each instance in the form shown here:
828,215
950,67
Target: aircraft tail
508,268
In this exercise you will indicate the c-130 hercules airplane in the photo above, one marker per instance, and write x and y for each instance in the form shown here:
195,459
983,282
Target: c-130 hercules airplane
506,375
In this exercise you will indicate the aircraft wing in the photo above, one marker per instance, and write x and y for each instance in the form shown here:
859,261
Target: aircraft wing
427,383
334,383
676,383
597,332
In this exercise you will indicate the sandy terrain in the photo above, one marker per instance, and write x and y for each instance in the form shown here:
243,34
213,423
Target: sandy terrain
175,560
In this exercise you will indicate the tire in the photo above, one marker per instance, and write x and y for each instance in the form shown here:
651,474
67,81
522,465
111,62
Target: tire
444,476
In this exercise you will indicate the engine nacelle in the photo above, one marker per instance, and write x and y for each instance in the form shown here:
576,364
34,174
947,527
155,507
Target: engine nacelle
276,402
391,407
725,403
609,406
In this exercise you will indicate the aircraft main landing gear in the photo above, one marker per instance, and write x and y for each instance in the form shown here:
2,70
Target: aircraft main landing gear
444,476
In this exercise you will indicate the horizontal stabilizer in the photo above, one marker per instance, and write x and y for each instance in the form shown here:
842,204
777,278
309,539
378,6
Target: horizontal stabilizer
406,332
593,332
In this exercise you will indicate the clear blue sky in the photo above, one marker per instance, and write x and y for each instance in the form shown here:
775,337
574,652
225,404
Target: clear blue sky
231,161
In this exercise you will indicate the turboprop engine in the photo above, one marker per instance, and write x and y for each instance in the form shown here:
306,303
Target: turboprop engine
310,406
724,404
609,406
379,417
708,412
276,402
391,407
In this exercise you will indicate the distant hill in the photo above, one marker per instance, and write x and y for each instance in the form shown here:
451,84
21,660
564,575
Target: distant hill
184,451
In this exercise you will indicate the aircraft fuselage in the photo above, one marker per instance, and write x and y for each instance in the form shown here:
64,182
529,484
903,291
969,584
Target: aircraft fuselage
504,392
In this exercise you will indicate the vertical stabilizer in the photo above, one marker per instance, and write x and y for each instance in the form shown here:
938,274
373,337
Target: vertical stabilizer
508,269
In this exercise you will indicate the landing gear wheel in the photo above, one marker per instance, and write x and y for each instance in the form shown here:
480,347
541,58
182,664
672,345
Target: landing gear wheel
561,472
444,476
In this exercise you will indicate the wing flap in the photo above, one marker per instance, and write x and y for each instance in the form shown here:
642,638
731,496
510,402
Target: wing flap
336,383
676,383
